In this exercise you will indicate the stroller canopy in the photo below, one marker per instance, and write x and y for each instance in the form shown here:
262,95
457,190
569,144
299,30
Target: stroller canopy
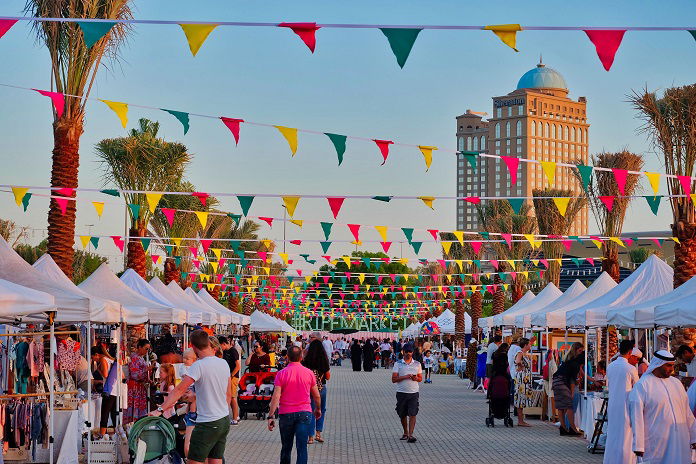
157,433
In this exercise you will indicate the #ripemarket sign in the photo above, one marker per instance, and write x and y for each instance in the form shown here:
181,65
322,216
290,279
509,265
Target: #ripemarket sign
368,324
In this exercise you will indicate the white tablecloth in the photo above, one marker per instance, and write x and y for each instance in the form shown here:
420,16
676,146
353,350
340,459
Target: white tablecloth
67,438
586,413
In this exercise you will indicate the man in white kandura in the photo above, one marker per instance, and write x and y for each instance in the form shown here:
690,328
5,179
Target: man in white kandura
622,375
664,429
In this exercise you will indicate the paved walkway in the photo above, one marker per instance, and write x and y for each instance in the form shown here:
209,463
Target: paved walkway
361,426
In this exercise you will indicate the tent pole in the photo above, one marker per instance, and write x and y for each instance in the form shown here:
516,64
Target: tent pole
89,391
585,367
51,387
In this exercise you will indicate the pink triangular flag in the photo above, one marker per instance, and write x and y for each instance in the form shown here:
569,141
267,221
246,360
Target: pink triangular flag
545,263
299,272
263,255
393,278
169,214
58,100
474,200
327,258
608,201
442,263
118,241
433,232
513,275
620,175
512,164
233,125
508,239
326,279
355,230
5,25
335,204
196,262
305,31
155,258
379,280
494,263
628,241
567,244
205,243
296,242
348,274
62,203
383,148
590,260
657,242
685,182
267,220
385,246
65,191
221,262
202,196
606,43
476,246
193,250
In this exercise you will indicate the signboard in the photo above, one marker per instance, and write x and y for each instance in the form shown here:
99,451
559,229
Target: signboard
368,324
513,102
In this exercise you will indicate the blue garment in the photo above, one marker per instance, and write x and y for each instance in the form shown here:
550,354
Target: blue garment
21,367
110,378
318,425
294,426
481,365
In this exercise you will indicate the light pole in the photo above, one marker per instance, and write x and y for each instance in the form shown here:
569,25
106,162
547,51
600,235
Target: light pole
89,244
285,215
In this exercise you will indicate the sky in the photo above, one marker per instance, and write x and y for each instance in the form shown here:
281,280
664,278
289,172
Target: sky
351,85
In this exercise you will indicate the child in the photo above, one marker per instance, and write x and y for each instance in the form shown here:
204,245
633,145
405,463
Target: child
190,417
428,362
167,381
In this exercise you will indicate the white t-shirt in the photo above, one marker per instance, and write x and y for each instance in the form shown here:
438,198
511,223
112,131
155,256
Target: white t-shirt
385,347
328,347
512,352
403,368
211,376
691,368
492,348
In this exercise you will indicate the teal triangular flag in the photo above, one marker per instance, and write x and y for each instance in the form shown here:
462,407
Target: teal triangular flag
235,217
366,262
234,244
112,192
485,235
383,198
408,233
575,237
576,261
416,246
401,42
325,246
516,204
654,202
25,201
378,265
472,158
95,242
182,116
477,262
177,261
585,175
245,203
169,249
135,210
326,227
93,31
146,243
693,33
339,143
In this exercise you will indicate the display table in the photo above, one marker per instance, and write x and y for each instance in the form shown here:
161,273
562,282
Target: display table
67,439
586,413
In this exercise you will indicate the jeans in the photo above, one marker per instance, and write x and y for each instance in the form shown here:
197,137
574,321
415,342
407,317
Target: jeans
294,425
318,425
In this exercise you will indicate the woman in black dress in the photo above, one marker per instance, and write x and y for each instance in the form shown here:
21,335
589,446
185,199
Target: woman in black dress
368,356
356,355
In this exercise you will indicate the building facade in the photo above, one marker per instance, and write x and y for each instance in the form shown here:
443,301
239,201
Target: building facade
536,121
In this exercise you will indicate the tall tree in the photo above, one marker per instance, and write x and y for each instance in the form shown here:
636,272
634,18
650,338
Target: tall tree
74,67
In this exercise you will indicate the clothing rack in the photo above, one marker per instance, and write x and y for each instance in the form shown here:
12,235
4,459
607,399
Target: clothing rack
34,395
31,334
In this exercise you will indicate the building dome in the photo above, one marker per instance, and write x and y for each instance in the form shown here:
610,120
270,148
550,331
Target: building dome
542,77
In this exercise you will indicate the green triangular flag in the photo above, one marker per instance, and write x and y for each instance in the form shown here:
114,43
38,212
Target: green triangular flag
472,158
169,249
135,210
245,203
693,33
585,175
177,261
401,42
112,192
366,262
184,275
576,261
416,246
339,143
325,246
654,202
146,243
408,233
485,235
477,263
234,244
95,242
182,116
92,32
326,227
516,204
378,265
25,201
235,217
382,198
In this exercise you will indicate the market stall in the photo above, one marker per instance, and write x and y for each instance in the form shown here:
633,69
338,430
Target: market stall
555,316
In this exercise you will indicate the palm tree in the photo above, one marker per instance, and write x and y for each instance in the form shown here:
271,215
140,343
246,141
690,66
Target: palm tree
74,67
551,222
142,162
610,223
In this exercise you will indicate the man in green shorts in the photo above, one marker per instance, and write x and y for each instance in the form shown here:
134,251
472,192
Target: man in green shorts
211,379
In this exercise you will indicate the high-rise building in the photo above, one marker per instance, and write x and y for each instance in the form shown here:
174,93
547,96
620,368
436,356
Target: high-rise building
535,121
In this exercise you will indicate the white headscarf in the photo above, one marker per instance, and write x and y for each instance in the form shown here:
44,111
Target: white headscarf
660,358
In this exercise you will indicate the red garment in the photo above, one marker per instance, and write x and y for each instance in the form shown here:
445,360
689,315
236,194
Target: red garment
137,389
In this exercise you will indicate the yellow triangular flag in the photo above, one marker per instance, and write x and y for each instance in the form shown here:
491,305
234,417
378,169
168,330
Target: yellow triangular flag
121,110
297,222
202,218
618,241
446,247
98,207
460,236
654,179
460,264
382,232
507,33
217,252
290,135
531,239
562,205
676,240
196,34
346,259
177,242
511,263
152,200
361,278
428,201
19,193
549,168
215,265
597,243
403,260
85,240
267,270
291,204
284,257
427,155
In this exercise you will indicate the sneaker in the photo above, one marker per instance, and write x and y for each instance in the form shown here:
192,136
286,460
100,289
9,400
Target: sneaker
234,422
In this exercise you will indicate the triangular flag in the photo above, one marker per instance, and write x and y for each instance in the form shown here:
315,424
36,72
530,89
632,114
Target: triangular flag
181,116
6,25
608,201
512,164
585,175
121,110
202,218
382,232
416,246
305,31
290,204
205,243
408,233
267,220
135,210
654,179
685,182
654,202
355,230
692,32
58,100
606,43
326,227
245,203
620,175
339,143
385,246
476,246
506,32
549,168
325,246
297,222
169,214
427,155
19,193
471,158
112,192
98,207
401,41
153,200
516,204
473,200
428,201
25,201
508,240
459,235
290,135
95,242
93,31
562,205
446,246
118,241
335,204
196,34
145,242
85,240
233,125
383,146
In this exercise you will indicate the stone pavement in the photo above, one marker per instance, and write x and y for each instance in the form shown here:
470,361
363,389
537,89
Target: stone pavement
361,426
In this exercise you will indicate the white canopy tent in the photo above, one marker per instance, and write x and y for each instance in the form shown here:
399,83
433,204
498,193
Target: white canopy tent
210,317
546,296
224,315
135,282
488,322
236,318
680,312
262,322
652,279
555,318
16,300
193,313
411,330
573,292
446,322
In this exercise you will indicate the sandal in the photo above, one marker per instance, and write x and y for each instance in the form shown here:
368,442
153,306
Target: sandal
310,441
404,437
412,439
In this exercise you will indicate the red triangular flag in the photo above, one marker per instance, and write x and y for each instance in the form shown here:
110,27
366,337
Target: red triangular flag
476,246
6,24
155,258
512,164
608,201
620,175
685,182
118,241
305,31
433,232
383,148
202,196
58,100
65,191
355,230
267,220
205,243
296,242
263,255
385,246
169,214
508,239
233,125
335,204
62,203
606,43
474,200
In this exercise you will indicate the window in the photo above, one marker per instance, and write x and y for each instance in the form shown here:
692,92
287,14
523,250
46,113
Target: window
519,128
546,130
476,147
553,131
468,143
499,112
509,111
520,110
533,129
566,133
497,129
461,143
483,142
507,129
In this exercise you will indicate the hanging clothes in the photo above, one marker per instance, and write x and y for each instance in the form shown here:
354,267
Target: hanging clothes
22,371
68,354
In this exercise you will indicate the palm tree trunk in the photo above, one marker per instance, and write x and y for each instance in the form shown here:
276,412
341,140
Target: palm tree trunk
476,307
610,264
136,258
66,161
171,273
233,303
247,306
553,273
459,322
613,342
498,296
215,292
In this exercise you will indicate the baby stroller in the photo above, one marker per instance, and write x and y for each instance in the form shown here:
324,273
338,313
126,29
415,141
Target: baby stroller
153,438
255,392
499,400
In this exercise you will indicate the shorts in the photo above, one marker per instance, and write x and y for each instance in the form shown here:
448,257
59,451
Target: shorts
235,387
406,404
208,440
190,418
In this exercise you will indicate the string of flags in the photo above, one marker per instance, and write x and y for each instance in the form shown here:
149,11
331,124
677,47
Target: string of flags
400,38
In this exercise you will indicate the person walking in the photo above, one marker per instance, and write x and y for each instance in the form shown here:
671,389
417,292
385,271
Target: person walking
213,385
523,381
231,355
291,398
564,384
368,356
328,347
356,355
492,347
385,348
315,361
259,358
406,374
